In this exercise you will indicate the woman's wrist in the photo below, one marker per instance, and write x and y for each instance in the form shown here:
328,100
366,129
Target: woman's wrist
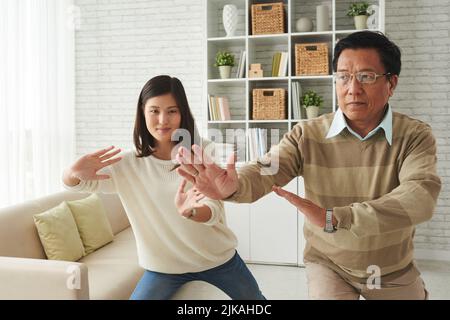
69,179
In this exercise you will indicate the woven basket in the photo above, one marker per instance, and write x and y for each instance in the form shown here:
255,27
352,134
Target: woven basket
267,18
311,59
269,104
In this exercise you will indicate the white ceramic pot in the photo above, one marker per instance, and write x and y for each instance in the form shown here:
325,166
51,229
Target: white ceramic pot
230,19
225,72
312,112
304,25
360,22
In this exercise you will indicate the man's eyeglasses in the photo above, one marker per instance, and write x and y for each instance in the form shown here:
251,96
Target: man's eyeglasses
363,77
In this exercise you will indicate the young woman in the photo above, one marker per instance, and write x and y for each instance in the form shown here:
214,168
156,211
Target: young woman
181,236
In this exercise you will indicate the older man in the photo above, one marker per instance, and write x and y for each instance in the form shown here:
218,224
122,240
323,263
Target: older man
370,178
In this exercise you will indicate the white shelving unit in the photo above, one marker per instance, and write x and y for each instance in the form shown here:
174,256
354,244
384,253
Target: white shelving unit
269,231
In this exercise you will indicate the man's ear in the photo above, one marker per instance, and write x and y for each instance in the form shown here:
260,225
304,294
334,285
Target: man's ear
393,80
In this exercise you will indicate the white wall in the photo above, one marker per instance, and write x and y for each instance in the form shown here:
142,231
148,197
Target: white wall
421,29
123,43
120,45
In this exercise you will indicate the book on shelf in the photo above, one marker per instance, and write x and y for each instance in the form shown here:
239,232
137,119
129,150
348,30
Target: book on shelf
257,143
219,108
297,111
279,64
241,65
282,70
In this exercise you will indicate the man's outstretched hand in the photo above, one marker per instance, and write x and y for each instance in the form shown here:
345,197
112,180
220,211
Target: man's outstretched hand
314,213
206,176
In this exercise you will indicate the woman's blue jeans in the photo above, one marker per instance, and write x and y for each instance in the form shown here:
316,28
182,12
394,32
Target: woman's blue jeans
233,278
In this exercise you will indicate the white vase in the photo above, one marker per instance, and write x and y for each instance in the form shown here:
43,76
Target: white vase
230,19
361,22
312,112
372,20
225,72
322,18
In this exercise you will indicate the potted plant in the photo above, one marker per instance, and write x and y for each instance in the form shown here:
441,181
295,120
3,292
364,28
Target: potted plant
224,60
311,101
360,11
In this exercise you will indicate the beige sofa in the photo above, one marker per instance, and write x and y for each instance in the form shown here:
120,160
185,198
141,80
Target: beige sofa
111,272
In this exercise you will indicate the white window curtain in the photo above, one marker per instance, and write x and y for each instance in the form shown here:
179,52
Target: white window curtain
36,97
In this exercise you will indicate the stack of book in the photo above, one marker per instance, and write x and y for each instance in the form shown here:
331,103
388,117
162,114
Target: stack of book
241,66
219,109
279,64
257,142
297,109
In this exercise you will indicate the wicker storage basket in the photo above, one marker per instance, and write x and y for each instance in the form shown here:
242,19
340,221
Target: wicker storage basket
267,18
269,104
311,59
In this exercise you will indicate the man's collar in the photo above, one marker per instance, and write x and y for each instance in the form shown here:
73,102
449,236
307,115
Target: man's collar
339,123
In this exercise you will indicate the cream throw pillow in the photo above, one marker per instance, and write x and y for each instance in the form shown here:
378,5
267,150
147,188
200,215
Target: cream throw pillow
93,224
59,234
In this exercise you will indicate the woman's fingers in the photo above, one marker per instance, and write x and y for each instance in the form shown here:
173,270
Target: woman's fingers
102,177
102,151
110,162
185,175
199,197
181,186
109,155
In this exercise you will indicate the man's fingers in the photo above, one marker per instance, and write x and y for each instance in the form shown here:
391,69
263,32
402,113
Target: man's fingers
231,162
187,168
101,152
202,156
291,197
185,175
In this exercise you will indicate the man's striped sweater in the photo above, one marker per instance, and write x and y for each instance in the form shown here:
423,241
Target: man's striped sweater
378,192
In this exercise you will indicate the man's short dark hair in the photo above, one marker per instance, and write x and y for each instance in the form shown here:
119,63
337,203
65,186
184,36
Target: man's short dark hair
388,51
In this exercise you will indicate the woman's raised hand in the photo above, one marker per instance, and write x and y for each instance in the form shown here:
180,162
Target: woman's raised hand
87,166
185,201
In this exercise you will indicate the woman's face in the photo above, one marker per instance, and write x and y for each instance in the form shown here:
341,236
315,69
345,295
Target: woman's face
162,117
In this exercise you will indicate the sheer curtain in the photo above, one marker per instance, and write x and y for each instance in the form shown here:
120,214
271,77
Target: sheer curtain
36,97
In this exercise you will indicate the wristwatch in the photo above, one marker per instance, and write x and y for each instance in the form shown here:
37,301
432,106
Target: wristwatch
329,222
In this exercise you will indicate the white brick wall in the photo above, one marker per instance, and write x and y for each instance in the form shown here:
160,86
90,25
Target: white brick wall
422,32
122,43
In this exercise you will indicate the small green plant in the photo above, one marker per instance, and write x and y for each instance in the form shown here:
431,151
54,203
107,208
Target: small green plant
311,98
359,9
224,58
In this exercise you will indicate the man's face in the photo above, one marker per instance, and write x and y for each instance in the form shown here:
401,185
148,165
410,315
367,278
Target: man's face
363,103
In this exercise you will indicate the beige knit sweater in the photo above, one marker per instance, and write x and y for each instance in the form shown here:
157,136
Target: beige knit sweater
379,193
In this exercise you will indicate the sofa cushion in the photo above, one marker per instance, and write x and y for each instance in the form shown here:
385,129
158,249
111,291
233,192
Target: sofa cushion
92,222
114,270
59,234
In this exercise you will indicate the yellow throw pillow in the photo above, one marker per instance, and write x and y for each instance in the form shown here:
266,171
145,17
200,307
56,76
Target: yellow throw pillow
93,224
59,234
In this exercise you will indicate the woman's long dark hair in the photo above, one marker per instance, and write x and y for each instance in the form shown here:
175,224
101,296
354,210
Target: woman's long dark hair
157,86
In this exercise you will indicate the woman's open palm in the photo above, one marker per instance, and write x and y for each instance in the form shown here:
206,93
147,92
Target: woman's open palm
87,166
